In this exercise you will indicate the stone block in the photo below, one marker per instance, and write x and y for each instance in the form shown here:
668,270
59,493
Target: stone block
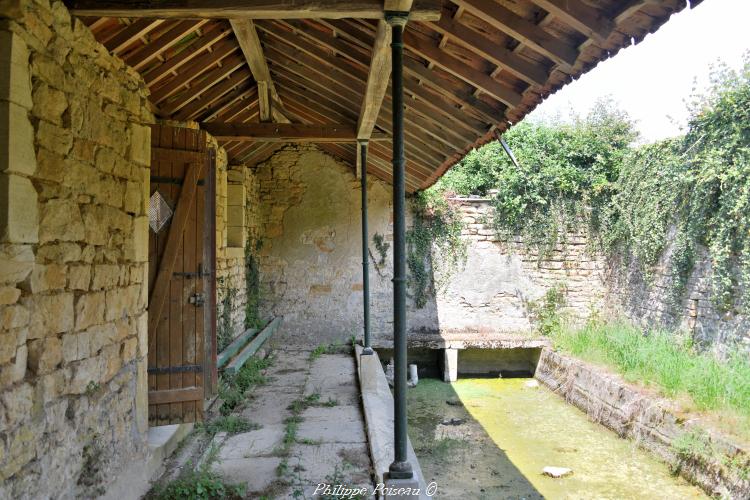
450,365
16,263
105,276
79,277
142,332
49,103
15,81
16,140
85,374
59,252
14,316
9,295
61,221
8,346
97,338
44,354
70,347
46,277
19,219
50,314
140,144
141,396
10,374
89,310
140,239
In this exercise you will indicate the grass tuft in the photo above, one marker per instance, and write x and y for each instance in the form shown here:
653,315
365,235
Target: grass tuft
231,424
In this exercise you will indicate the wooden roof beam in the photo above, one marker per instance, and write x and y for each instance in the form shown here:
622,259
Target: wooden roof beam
583,18
247,36
522,30
423,10
377,81
284,132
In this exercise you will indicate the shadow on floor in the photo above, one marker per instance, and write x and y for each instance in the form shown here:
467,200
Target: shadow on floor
462,459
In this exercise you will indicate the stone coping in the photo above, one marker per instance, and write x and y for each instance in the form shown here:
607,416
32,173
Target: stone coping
468,340
377,402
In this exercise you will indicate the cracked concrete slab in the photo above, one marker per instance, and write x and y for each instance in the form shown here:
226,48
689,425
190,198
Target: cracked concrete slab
263,441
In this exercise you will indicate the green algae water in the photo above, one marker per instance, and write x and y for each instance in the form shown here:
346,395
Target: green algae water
491,438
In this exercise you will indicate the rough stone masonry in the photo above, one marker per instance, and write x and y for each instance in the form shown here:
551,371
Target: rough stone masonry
74,158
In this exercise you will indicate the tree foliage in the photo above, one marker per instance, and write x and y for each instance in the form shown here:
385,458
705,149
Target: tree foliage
567,171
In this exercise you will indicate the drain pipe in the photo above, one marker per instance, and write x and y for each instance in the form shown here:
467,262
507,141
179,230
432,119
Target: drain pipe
362,145
400,469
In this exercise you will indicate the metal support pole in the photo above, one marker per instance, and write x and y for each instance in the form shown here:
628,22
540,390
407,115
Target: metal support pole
362,145
400,468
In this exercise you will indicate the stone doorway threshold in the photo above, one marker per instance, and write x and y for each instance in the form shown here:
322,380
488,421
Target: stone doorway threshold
135,481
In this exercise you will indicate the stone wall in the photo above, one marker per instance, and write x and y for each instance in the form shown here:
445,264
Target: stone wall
653,301
74,183
501,279
237,223
311,254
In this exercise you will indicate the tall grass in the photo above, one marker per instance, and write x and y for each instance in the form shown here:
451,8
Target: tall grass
666,360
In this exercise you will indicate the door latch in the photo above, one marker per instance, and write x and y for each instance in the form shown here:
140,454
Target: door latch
197,299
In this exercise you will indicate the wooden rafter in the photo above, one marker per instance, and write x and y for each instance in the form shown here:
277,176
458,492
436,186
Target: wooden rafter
423,10
151,51
130,34
522,30
284,132
529,71
196,48
247,36
454,66
580,16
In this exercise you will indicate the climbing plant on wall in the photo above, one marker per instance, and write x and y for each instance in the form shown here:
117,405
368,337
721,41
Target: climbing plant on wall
226,296
681,193
695,190
252,283
436,232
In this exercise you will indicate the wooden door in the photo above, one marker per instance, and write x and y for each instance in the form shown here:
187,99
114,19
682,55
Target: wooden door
181,326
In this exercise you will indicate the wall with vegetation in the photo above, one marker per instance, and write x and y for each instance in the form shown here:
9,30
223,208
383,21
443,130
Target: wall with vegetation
670,218
74,180
503,285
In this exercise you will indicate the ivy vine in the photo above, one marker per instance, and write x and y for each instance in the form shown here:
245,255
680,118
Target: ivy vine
433,242
252,283
224,325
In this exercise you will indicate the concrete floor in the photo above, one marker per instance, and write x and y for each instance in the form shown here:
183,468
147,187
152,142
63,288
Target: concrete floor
330,445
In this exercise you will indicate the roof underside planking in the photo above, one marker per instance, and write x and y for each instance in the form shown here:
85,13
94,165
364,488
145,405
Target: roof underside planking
471,67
